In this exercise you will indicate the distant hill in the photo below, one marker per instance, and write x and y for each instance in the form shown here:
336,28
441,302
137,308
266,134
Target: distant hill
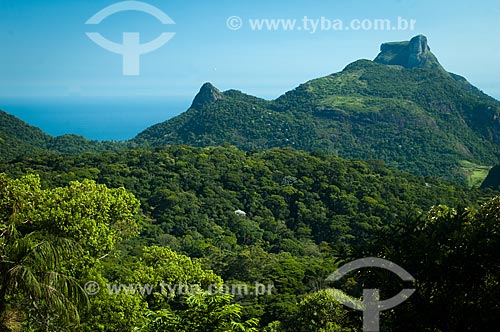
403,108
18,138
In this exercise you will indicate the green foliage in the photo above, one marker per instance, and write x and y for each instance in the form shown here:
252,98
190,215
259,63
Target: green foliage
114,313
52,242
475,174
203,312
321,312
161,264
30,261
192,193
87,212
53,238
452,255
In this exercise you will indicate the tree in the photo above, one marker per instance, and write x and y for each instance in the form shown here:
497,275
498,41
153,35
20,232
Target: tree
29,262
321,312
453,255
203,312
51,241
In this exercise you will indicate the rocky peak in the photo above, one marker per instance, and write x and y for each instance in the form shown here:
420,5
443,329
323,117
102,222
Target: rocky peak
208,94
418,51
409,54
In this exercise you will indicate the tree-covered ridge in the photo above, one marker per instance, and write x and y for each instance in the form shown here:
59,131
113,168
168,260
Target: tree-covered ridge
421,119
18,138
189,189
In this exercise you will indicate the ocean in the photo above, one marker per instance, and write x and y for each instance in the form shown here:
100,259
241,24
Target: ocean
96,118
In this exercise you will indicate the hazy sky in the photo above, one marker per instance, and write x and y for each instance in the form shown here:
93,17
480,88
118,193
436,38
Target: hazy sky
45,52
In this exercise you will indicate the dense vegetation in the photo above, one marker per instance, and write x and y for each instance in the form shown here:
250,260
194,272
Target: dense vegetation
188,190
305,214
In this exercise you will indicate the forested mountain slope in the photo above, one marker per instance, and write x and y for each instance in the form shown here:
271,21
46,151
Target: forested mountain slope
403,108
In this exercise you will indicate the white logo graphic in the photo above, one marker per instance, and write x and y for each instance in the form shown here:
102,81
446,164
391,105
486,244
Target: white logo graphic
131,49
371,304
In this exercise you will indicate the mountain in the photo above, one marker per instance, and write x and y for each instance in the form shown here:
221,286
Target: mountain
18,138
403,108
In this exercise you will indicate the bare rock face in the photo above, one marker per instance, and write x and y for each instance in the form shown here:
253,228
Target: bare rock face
418,51
208,94
409,54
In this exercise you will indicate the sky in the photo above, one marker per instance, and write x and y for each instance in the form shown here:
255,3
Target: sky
45,51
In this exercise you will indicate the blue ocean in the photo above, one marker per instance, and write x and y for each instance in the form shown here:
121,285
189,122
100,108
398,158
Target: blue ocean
96,118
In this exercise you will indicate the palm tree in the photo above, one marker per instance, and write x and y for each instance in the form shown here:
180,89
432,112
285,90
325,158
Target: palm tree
29,268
